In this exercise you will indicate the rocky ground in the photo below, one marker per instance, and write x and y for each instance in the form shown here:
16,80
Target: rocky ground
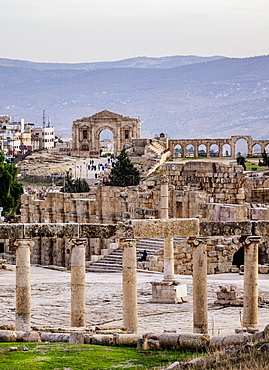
51,301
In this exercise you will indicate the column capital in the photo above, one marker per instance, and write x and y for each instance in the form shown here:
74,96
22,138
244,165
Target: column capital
24,243
164,180
78,242
252,239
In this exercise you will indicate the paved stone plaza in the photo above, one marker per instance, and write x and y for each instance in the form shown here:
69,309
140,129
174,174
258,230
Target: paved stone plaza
51,301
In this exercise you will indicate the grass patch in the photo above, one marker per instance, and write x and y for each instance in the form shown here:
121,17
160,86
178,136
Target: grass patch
250,166
62,356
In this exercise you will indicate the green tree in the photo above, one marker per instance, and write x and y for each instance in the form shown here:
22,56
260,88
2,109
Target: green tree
265,159
124,172
75,186
10,189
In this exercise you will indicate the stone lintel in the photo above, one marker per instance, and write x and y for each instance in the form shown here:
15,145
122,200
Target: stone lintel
156,228
120,231
8,231
260,228
182,227
224,228
51,230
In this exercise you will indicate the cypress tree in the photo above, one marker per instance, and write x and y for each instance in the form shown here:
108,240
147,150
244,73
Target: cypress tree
10,189
124,172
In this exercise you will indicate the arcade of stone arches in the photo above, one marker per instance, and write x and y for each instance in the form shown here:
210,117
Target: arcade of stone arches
218,147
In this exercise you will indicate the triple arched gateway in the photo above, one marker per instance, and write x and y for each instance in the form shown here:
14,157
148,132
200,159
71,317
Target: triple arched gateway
86,132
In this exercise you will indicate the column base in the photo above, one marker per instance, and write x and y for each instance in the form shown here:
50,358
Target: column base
169,292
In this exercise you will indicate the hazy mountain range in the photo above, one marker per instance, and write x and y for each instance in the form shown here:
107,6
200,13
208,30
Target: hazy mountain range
183,96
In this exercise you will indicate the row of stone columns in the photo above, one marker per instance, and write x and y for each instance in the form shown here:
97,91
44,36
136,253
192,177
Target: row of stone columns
250,302
129,284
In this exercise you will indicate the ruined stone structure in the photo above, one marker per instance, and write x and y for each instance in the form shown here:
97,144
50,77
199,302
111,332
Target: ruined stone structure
86,132
195,230
209,191
222,145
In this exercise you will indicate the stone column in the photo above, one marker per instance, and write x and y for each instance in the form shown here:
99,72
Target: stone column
23,284
78,285
129,284
250,309
168,253
200,310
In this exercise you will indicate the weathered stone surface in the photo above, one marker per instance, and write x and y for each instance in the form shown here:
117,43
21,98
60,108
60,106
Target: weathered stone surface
11,231
260,228
166,228
103,340
51,230
76,337
186,341
30,336
55,337
120,231
126,339
219,228
193,341
8,336
229,340
169,340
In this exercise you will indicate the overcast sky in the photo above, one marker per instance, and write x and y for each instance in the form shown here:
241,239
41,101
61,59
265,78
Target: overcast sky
102,30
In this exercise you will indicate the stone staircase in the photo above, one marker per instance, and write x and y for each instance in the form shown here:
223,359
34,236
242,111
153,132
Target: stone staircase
113,261
156,147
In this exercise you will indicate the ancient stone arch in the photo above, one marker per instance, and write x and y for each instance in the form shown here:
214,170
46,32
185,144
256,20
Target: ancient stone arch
86,132
219,142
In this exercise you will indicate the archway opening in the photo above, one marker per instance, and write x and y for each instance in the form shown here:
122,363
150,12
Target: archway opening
238,258
189,151
257,150
267,149
226,150
202,150
214,150
106,143
241,148
178,151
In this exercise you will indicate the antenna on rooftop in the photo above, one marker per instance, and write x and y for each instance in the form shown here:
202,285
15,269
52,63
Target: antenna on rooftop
44,118
48,121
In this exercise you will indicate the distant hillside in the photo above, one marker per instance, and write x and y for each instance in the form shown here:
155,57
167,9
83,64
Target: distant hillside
139,62
183,96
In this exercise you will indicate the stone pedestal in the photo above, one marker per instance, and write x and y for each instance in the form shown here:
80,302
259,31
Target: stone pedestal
78,285
168,292
23,285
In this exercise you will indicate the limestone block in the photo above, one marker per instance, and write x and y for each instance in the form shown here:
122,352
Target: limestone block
31,336
76,337
142,344
234,269
126,339
8,336
103,340
263,269
165,228
55,337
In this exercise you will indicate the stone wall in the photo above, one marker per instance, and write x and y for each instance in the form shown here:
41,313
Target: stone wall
220,182
220,254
